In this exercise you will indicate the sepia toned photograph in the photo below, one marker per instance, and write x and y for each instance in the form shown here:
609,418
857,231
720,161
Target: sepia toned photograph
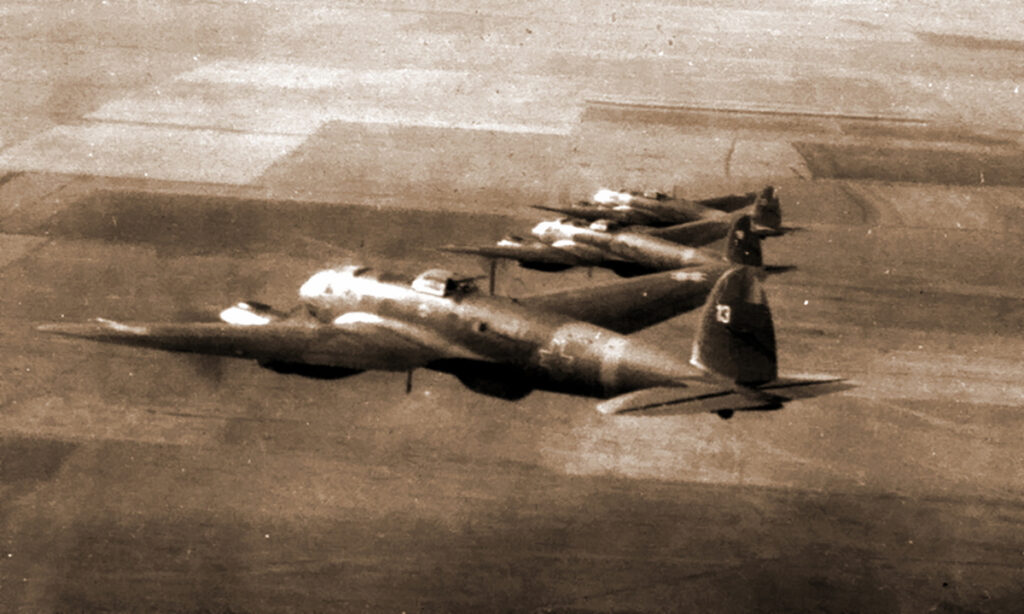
547,306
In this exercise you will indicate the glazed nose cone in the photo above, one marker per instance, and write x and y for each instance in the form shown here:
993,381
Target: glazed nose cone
98,329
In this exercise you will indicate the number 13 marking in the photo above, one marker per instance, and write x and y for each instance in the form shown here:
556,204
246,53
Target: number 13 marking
723,313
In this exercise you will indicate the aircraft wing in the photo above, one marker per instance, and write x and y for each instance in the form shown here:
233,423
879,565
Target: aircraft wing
353,341
627,306
709,395
531,253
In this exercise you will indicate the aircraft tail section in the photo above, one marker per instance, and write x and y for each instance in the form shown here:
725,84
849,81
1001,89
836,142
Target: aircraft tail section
768,209
744,246
736,338
694,234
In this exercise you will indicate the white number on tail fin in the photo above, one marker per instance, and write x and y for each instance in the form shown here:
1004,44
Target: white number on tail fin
723,313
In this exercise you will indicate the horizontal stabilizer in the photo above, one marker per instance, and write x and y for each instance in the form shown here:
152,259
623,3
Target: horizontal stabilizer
652,398
806,387
713,397
695,398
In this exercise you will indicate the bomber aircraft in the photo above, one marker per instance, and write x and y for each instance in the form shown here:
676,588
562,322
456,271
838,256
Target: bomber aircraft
576,341
657,209
565,243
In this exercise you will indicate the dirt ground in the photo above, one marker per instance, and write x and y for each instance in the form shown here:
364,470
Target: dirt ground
162,160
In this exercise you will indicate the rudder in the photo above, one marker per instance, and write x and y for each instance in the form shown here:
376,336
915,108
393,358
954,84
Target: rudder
768,209
736,338
744,246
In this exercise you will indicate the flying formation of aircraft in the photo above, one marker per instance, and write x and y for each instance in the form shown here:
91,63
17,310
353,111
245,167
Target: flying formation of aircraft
632,249
579,341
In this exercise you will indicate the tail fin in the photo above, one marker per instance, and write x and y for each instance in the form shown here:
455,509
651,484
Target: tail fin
744,246
736,338
768,209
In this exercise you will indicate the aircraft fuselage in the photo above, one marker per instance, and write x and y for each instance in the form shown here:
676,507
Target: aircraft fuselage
651,252
647,212
507,348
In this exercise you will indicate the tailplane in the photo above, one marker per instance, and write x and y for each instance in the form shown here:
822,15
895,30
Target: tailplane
736,338
768,209
743,246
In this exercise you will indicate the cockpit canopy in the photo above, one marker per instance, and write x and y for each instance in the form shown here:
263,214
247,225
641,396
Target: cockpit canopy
567,227
332,282
604,225
351,280
440,282
600,225
654,195
604,196
625,198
